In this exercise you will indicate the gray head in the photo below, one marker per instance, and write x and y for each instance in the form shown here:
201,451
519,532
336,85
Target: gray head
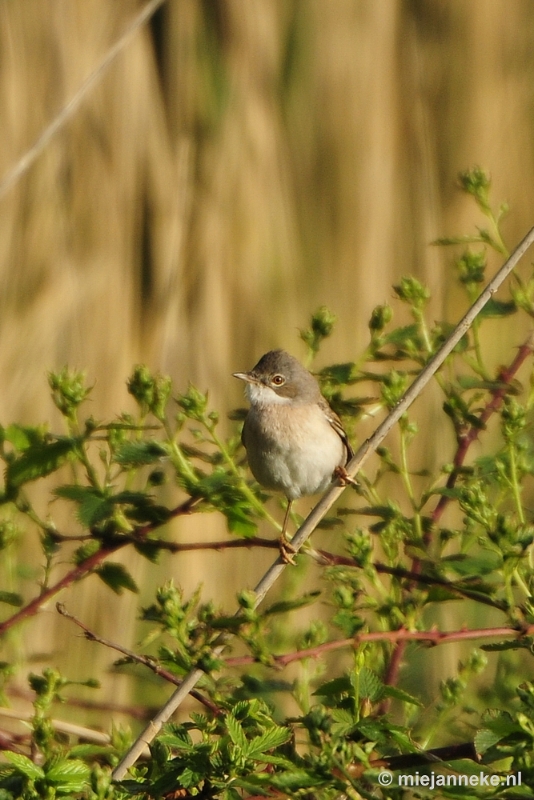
280,378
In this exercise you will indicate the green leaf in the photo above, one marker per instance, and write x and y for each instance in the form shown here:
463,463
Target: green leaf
498,308
24,436
500,722
370,685
11,599
290,605
92,751
485,563
473,382
291,782
86,550
267,741
239,521
400,336
147,511
344,722
73,492
335,687
236,732
68,775
179,739
117,577
484,739
93,505
39,460
516,644
340,374
136,454
148,550
400,694
24,765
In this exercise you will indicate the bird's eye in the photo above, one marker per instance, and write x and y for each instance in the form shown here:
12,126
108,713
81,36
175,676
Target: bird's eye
278,380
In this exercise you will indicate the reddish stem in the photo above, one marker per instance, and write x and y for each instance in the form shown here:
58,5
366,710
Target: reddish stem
85,567
401,635
465,439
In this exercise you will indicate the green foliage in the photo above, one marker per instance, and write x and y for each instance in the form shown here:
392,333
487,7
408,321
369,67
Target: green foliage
421,540
321,327
232,753
68,391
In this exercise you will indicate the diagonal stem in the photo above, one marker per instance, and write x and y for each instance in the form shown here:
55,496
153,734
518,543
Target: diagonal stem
465,440
322,507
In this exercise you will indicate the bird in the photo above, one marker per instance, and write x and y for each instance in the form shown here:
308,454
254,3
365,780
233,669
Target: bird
295,442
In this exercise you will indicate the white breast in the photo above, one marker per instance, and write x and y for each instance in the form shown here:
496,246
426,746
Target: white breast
292,449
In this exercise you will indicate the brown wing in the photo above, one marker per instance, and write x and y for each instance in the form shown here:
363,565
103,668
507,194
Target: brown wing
335,422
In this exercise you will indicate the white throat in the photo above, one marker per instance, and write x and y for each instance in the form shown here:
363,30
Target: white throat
259,394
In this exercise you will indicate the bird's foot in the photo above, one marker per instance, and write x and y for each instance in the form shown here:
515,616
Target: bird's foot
287,551
343,477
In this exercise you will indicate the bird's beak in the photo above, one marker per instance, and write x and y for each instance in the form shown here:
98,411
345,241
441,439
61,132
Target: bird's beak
245,376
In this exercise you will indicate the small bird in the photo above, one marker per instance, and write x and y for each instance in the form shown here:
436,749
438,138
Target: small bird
295,443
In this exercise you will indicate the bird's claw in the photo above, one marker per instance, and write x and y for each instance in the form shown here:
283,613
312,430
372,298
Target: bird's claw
344,478
287,551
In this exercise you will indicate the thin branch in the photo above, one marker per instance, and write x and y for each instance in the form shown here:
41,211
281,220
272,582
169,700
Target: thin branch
76,574
88,565
423,757
322,507
418,577
465,440
81,732
186,547
7,742
432,638
68,111
141,713
321,556
146,661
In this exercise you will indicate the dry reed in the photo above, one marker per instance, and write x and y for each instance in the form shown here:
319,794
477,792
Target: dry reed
240,164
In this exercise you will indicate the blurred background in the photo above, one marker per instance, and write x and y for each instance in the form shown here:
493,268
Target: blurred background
239,164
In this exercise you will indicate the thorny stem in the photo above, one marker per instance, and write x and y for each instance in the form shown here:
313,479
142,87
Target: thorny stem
85,567
146,661
465,440
433,638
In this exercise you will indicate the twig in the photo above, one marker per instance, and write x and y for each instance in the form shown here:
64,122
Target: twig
90,735
433,638
8,743
465,440
423,757
141,713
186,547
418,577
146,661
322,507
76,574
87,566
25,162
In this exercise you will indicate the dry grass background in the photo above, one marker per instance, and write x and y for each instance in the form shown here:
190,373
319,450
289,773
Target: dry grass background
241,163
